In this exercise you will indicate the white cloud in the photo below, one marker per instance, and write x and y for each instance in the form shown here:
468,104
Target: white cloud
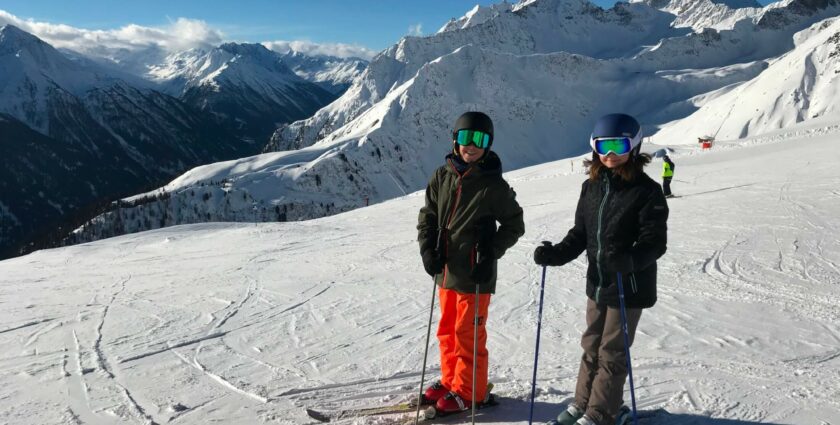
415,30
155,42
180,34
340,50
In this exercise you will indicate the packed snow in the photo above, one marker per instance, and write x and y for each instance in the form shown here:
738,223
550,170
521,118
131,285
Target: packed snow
253,323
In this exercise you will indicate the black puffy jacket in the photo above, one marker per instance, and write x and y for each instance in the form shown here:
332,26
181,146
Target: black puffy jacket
614,215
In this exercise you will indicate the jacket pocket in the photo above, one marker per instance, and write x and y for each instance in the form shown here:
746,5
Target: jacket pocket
633,286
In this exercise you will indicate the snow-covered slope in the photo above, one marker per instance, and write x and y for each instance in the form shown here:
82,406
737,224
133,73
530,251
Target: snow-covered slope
236,323
573,26
700,14
331,73
799,86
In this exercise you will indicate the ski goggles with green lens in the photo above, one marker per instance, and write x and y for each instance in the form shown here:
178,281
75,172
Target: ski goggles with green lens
473,137
616,145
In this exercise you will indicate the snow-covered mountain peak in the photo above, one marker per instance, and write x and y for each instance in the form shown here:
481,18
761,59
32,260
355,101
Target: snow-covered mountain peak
12,37
255,53
33,74
195,67
476,16
30,51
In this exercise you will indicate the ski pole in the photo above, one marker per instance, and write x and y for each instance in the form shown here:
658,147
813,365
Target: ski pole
426,353
627,346
478,259
537,349
428,332
475,351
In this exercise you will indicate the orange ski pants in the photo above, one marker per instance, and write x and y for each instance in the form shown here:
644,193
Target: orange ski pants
455,334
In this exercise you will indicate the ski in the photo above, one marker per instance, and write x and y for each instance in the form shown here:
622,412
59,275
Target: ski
351,413
404,407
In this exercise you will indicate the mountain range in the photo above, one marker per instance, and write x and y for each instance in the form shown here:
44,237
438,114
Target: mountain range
82,131
544,70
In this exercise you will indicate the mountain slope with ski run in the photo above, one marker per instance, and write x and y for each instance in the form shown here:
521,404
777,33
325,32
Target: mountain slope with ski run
253,323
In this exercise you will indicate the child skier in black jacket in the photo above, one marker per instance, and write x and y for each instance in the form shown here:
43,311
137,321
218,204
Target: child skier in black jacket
620,222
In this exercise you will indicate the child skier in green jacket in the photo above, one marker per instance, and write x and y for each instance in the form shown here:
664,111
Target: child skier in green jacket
459,244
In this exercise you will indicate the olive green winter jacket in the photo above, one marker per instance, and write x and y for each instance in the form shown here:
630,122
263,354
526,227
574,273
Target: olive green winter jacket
458,197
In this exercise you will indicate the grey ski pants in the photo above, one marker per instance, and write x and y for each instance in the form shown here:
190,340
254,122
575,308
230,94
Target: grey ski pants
603,368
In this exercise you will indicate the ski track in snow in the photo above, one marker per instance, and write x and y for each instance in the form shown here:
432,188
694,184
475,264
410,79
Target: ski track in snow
25,325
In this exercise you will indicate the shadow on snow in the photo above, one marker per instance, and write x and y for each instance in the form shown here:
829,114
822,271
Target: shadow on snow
514,410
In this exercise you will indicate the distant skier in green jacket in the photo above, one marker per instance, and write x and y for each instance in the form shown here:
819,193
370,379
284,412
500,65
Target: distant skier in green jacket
667,175
460,244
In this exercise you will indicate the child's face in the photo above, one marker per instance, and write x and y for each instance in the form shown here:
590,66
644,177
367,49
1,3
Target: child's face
470,153
612,160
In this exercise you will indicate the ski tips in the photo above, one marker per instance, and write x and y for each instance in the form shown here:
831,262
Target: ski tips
318,416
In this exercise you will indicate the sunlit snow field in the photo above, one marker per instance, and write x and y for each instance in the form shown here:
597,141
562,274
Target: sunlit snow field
243,323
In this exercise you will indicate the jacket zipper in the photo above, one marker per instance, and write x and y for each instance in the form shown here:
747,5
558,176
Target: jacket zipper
598,237
451,216
633,283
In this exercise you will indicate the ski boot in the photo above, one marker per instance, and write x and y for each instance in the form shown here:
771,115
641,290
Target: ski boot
453,403
434,393
568,417
584,420
624,416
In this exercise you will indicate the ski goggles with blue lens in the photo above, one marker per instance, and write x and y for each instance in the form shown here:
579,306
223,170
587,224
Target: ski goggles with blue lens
616,145
473,137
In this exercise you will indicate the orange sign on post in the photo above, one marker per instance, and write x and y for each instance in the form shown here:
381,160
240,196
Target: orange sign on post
706,142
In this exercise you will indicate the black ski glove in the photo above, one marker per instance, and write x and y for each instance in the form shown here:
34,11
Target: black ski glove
485,254
433,262
618,261
485,232
544,254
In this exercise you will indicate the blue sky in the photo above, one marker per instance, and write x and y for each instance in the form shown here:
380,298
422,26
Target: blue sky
374,24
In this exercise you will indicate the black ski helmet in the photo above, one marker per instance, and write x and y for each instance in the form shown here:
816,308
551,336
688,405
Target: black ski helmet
618,125
474,121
